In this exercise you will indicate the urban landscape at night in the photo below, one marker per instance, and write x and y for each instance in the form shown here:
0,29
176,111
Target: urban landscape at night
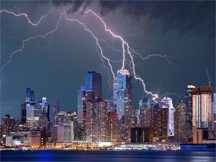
76,85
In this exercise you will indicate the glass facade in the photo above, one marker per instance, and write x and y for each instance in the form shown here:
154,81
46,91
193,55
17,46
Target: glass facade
29,95
123,98
32,116
83,97
94,82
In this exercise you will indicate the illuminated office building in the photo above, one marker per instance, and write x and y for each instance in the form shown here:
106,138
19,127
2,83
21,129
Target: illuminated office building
94,82
32,116
202,108
171,110
188,120
68,132
46,111
123,100
84,95
29,95
179,122
8,125
56,109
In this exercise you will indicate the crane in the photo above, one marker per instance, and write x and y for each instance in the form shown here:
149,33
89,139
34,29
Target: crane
209,78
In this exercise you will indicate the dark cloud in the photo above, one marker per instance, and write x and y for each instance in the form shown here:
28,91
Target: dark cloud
185,16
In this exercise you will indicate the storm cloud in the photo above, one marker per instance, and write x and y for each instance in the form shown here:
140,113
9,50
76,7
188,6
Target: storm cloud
185,16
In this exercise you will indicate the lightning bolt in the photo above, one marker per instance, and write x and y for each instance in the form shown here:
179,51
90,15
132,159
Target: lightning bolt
23,14
171,94
124,43
125,46
26,40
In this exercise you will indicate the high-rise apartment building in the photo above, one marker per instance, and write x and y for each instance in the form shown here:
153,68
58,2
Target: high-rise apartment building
179,122
91,126
202,108
135,117
188,103
112,121
56,110
123,101
145,117
8,125
94,82
159,121
101,120
84,95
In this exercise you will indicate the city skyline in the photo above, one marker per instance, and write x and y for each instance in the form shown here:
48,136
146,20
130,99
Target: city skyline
52,73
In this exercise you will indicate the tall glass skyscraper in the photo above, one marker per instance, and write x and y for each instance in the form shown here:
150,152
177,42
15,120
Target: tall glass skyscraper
94,82
46,111
123,100
84,95
29,95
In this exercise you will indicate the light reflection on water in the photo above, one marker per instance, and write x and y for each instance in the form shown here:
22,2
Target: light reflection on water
110,156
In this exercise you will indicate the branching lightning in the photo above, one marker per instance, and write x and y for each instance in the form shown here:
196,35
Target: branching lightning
125,46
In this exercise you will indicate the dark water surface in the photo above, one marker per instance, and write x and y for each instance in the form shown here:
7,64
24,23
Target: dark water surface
110,156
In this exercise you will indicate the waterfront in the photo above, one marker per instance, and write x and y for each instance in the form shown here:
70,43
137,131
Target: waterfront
107,156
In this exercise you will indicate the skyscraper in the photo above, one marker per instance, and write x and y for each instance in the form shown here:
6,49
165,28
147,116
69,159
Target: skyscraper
84,95
159,121
202,108
94,82
56,109
46,111
32,116
29,95
23,113
188,102
168,100
124,103
179,122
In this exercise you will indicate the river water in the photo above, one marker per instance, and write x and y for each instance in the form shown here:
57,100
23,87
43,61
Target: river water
109,156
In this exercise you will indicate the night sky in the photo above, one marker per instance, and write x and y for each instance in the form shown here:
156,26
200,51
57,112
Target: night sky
55,66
